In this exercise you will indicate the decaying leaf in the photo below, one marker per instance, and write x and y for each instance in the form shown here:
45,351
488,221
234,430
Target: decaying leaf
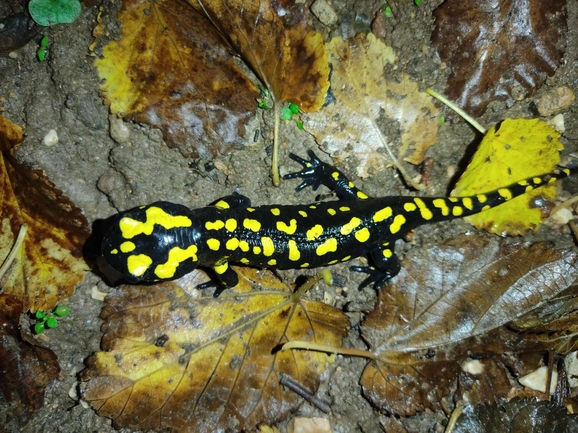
202,364
26,370
515,149
363,95
172,69
445,295
49,264
498,49
275,40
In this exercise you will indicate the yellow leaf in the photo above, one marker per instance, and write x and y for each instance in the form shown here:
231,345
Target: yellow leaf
514,150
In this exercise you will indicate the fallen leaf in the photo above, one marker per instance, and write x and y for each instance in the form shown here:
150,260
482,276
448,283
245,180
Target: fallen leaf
26,369
498,49
364,95
202,364
445,295
49,264
514,150
173,70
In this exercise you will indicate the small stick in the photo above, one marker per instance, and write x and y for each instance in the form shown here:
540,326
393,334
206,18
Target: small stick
303,392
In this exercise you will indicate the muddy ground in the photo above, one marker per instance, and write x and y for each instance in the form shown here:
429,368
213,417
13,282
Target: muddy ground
102,177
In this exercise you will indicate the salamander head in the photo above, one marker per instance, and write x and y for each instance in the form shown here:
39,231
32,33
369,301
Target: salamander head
152,243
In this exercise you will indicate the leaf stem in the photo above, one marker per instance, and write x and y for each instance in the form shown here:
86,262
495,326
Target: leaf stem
275,155
12,254
457,109
307,345
564,204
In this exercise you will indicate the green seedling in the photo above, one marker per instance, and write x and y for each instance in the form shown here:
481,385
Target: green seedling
387,11
50,320
51,12
417,2
288,112
43,50
264,101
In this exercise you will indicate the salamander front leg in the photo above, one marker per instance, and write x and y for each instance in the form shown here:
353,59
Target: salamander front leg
385,266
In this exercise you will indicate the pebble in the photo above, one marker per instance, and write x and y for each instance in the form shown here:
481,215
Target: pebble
571,365
118,130
324,12
555,100
473,367
309,425
51,138
537,380
557,122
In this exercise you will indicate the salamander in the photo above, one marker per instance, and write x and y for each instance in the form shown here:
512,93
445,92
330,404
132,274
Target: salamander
164,241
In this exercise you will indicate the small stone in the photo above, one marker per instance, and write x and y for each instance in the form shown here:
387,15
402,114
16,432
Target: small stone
555,100
557,122
118,130
309,425
571,365
51,138
473,367
563,216
537,380
324,12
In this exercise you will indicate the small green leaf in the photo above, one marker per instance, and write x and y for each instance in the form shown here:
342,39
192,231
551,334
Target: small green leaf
62,310
44,41
262,104
388,13
41,53
286,114
40,315
417,2
294,108
39,328
299,124
52,322
50,12
442,120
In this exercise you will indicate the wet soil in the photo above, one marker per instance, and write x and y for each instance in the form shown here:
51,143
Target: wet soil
102,176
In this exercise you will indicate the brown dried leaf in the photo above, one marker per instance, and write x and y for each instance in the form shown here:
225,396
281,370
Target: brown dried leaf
445,295
173,70
202,364
498,49
26,369
275,40
363,93
49,264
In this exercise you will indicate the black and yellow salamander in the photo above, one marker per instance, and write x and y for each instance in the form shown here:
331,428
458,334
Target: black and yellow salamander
163,241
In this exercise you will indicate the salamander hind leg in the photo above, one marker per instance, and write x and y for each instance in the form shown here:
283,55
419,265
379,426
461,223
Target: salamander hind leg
316,172
385,266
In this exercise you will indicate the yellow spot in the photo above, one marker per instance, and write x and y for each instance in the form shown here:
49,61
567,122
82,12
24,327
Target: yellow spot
382,215
537,180
138,265
268,246
442,204
350,184
245,261
453,199
127,247
114,251
214,244
332,262
335,175
214,225
523,183
350,226
506,193
252,224
275,211
486,207
331,211
467,202
231,224
552,180
232,244
387,253
289,229
346,258
409,207
457,211
303,213
566,171
304,265
314,232
329,246
344,209
362,235
529,188
272,262
256,250
312,207
361,195
426,214
294,253
154,215
176,257
222,204
397,224
482,198
244,245
250,209
221,268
